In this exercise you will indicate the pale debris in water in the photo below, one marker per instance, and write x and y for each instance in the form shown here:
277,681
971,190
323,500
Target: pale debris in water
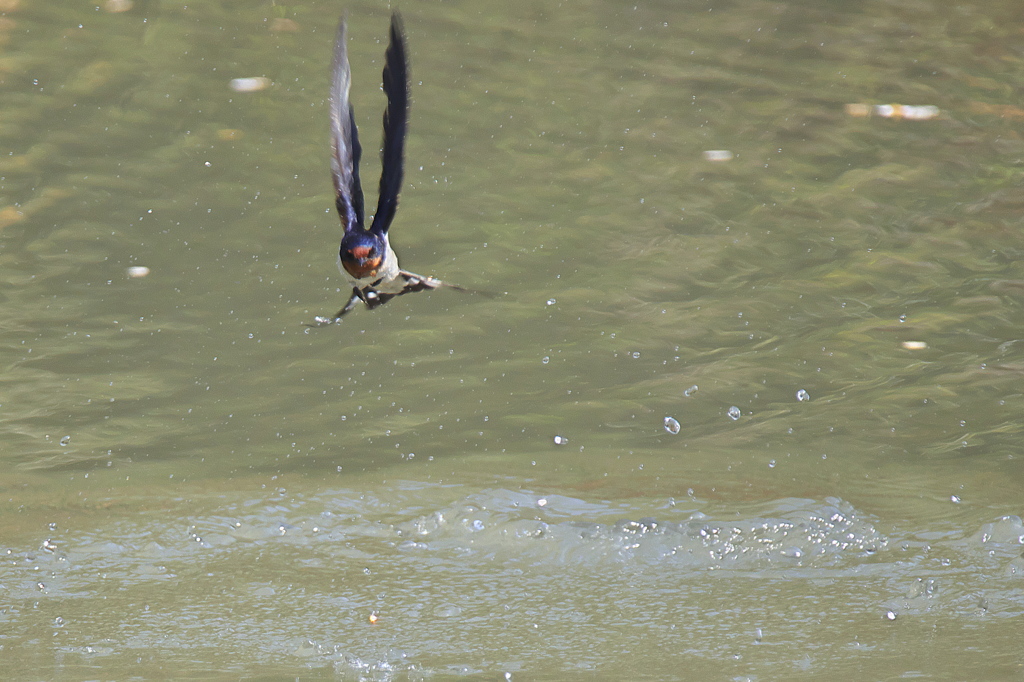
718,155
137,271
280,24
907,112
250,84
914,345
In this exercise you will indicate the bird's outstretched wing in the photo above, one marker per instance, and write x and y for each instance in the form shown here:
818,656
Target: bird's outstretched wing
345,150
396,121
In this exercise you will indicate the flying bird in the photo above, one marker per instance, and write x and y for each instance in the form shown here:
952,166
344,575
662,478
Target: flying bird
366,258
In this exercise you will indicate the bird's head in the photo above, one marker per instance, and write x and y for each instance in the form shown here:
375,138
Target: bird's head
361,253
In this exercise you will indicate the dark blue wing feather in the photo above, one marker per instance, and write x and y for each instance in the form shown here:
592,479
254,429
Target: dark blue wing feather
345,150
396,121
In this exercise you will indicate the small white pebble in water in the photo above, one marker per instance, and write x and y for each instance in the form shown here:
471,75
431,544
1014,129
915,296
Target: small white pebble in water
65,440
671,425
734,413
914,345
137,271
890,615
561,440
250,84
718,155
802,395
690,391
552,301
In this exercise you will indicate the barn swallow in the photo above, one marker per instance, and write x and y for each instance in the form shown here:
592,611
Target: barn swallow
366,258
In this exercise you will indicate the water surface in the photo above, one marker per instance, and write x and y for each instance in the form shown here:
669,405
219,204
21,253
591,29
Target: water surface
483,484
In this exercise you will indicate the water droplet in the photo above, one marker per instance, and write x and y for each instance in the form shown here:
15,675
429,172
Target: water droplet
635,354
771,464
545,360
447,611
552,301
671,425
65,440
561,440
690,391
802,395
890,615
477,525
734,413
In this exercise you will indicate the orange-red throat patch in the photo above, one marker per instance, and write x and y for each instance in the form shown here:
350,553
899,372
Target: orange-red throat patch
359,271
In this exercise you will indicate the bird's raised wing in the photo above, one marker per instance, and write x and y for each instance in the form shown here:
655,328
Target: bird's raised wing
396,121
345,150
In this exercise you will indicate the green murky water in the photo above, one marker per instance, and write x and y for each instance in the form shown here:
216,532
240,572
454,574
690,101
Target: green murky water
473,485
